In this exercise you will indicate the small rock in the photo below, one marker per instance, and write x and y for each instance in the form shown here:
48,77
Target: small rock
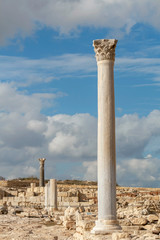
69,225
81,209
139,221
152,218
144,212
17,209
156,229
3,210
121,215
147,227
55,238
120,236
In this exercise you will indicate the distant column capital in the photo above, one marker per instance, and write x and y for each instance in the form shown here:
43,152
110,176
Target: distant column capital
105,49
42,160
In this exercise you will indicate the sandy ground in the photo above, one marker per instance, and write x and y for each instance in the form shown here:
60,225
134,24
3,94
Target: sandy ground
18,228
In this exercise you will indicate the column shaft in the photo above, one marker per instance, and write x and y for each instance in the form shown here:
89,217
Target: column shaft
53,194
33,185
107,221
41,177
106,142
46,196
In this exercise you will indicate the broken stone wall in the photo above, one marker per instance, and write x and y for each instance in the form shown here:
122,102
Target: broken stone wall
68,195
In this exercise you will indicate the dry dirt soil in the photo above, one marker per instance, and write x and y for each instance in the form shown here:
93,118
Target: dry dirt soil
18,228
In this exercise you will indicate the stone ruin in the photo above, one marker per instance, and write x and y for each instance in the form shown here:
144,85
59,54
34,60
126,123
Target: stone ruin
138,209
92,212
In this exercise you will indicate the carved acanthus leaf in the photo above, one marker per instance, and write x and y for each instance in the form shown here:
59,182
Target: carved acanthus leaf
105,49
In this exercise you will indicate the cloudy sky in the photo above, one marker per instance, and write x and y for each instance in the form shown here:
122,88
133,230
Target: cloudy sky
48,87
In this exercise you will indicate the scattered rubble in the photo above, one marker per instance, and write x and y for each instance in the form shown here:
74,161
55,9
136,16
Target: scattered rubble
24,216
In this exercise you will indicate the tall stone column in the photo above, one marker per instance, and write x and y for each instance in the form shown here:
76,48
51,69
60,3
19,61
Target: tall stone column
105,56
41,178
53,195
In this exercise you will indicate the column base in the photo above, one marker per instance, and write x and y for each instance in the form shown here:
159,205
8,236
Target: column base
106,226
53,209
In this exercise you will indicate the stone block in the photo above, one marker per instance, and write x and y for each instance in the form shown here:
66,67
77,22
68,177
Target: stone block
79,229
59,199
69,199
139,221
120,236
152,218
24,214
85,204
15,193
41,189
86,225
32,199
69,225
65,199
62,194
156,229
78,236
29,194
72,193
36,189
41,198
68,204
5,199
73,199
74,204
63,204
155,198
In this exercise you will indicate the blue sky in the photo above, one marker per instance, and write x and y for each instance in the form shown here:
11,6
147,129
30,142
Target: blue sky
48,90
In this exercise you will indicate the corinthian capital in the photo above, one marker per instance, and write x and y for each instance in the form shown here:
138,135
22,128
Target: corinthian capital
42,160
105,49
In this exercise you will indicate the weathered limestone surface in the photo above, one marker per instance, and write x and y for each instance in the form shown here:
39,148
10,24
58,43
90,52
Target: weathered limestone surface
138,211
105,49
46,196
53,195
105,55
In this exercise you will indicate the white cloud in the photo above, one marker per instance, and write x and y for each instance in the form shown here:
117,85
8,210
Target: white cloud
19,102
73,136
36,125
23,71
14,101
136,137
139,172
26,134
29,171
65,140
134,133
23,17
141,65
90,170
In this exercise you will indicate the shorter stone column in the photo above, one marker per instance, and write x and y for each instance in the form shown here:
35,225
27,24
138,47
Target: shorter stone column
46,196
41,178
33,185
53,195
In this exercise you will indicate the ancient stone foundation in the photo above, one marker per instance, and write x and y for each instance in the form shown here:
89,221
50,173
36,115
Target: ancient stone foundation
138,210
